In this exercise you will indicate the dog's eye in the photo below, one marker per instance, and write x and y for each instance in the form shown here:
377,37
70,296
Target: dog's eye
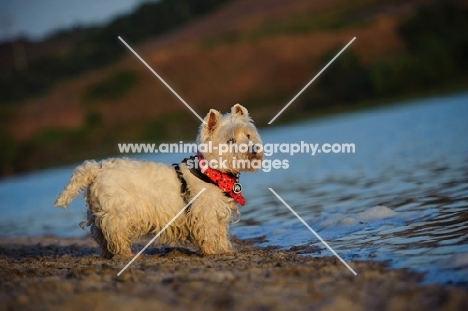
248,136
231,141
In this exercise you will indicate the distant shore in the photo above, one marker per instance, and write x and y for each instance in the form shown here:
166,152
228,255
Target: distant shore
67,274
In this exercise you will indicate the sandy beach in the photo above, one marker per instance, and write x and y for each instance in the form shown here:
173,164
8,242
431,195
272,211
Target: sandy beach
54,273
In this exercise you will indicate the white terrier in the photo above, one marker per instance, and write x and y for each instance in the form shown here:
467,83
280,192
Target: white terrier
129,199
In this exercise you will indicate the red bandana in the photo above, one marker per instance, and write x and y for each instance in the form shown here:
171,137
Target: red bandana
224,181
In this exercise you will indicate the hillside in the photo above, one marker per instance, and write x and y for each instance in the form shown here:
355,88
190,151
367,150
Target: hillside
258,53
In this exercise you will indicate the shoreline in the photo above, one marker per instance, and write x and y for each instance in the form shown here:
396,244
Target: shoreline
294,117
67,273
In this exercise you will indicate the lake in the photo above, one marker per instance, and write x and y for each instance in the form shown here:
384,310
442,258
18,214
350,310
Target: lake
401,197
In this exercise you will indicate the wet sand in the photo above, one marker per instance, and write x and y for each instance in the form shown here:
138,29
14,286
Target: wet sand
53,273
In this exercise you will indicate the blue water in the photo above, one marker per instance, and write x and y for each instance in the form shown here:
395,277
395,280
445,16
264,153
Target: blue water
402,197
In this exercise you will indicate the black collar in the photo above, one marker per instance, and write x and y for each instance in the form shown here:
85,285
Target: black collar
194,168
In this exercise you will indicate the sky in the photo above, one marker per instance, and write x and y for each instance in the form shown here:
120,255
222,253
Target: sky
38,18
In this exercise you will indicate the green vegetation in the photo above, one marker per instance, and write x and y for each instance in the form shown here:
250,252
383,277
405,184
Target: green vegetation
345,16
437,46
93,119
114,86
226,38
58,146
8,150
171,127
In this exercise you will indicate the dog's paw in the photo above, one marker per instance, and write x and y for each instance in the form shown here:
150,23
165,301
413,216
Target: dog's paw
107,255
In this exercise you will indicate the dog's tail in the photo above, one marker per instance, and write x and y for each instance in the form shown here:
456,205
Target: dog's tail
82,177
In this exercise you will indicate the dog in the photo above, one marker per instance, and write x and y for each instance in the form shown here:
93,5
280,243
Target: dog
129,199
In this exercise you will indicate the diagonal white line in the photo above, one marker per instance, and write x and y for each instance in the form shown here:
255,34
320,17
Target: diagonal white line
312,230
162,80
160,232
313,79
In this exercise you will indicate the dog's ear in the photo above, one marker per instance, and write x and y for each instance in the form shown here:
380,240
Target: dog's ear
212,119
239,110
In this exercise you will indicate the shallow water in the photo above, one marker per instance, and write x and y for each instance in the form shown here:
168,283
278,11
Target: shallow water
402,197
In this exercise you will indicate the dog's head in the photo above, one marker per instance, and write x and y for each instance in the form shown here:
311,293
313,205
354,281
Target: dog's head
230,141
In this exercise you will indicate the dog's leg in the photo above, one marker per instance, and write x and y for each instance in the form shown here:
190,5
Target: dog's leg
108,229
224,244
97,235
212,234
212,240
115,232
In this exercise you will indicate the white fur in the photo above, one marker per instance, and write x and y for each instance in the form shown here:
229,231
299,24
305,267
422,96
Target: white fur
129,199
